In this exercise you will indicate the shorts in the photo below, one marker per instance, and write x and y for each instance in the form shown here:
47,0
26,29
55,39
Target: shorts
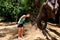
20,25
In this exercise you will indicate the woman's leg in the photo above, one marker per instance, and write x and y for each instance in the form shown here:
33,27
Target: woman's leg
20,31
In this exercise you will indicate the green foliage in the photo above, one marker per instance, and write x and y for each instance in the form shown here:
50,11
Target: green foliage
12,9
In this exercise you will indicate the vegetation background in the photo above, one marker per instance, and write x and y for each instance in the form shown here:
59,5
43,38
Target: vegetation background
11,10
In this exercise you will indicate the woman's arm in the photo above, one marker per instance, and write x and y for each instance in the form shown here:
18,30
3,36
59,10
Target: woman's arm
21,18
56,3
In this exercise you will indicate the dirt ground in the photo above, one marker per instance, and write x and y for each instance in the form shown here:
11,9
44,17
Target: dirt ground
8,31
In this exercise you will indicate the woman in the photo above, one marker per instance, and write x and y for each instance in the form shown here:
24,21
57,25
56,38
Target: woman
20,25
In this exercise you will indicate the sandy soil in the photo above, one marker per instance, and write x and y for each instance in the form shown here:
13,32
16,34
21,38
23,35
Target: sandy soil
9,32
